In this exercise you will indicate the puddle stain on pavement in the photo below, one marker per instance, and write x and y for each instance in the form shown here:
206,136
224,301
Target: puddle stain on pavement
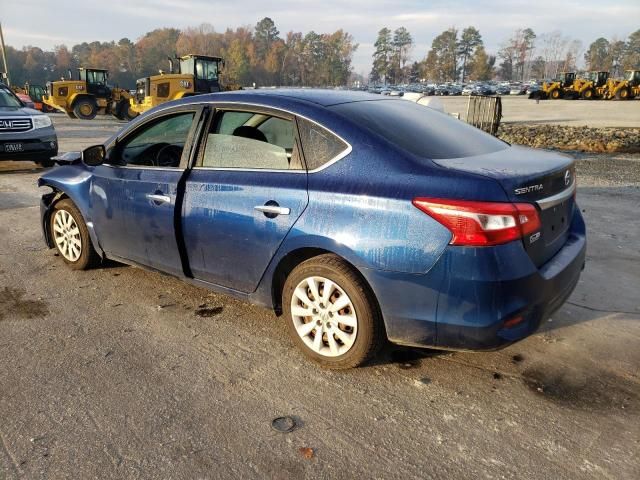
13,305
584,392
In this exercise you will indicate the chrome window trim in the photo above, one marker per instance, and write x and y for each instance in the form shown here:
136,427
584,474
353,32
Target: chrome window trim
557,199
142,167
224,103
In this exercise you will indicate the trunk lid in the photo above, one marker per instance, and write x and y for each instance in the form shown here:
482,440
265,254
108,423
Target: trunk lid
543,178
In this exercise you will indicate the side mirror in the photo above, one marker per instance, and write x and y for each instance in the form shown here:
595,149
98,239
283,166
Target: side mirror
94,156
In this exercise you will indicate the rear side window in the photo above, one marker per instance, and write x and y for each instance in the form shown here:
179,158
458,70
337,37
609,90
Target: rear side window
251,140
420,130
320,146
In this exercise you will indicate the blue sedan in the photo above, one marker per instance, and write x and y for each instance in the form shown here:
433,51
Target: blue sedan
359,218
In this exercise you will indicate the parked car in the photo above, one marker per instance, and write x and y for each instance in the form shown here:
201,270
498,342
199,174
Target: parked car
468,89
442,90
533,90
482,89
503,90
518,89
272,197
25,133
428,89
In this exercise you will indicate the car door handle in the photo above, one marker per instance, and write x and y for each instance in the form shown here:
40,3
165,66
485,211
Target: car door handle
159,198
274,210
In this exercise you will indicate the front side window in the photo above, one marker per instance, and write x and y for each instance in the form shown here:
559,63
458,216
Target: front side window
159,144
95,77
249,140
206,70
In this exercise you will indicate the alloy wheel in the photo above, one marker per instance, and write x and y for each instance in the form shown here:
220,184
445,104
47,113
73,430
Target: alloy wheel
67,235
324,316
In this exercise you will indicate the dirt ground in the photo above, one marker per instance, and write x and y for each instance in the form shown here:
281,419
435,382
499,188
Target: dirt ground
122,373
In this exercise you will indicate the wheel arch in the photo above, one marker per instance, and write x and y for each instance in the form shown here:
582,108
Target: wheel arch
81,96
295,257
58,192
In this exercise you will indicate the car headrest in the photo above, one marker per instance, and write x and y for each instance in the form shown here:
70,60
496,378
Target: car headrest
249,132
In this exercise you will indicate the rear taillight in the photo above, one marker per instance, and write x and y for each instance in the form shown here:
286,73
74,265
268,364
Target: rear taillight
481,223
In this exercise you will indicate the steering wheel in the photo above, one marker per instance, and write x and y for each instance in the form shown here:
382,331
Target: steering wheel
168,156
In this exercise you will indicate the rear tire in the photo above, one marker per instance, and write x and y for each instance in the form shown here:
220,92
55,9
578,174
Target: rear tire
85,109
71,236
344,327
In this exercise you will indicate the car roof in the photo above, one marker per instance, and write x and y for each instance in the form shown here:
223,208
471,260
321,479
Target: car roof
323,97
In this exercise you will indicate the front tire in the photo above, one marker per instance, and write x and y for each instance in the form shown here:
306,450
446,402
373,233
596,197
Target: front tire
622,94
331,313
71,236
85,109
124,111
556,94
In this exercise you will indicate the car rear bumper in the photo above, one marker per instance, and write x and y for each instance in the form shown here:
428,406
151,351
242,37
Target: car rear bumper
479,298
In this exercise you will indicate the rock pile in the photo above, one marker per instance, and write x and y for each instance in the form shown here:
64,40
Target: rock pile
562,137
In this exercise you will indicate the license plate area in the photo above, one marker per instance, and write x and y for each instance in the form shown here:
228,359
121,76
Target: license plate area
555,220
13,147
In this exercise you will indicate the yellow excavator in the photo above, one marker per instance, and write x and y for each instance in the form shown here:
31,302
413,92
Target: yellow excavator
89,94
188,75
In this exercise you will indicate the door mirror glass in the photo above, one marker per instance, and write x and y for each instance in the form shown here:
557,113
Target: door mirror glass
94,156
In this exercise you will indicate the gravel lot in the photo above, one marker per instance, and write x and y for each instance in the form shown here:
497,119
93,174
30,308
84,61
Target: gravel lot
122,373
597,113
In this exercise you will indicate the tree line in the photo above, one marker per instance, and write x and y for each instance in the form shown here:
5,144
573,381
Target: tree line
259,55
614,55
264,56
461,56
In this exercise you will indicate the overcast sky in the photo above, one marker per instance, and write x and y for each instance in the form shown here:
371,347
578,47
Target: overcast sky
42,23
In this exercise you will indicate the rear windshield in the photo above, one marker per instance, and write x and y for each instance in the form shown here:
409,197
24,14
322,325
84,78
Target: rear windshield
8,99
420,130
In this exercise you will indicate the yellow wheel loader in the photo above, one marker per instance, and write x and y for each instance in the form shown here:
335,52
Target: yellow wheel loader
625,89
89,95
188,75
556,89
591,87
